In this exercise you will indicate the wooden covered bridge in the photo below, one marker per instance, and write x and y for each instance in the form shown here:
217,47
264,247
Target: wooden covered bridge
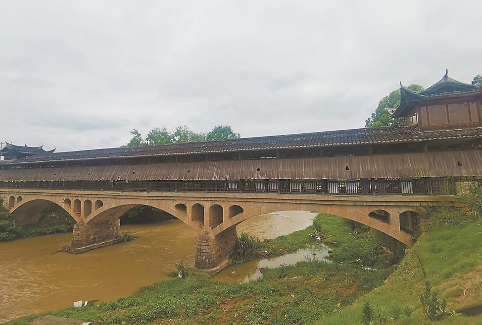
378,177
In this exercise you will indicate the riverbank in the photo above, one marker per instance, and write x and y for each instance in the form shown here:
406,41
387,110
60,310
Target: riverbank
302,293
53,220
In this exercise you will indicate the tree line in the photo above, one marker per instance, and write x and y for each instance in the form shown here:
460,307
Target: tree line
181,134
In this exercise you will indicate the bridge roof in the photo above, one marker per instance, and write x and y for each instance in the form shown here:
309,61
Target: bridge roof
364,136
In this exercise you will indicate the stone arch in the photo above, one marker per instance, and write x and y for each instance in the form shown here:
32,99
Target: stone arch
197,215
352,212
87,208
29,210
409,221
215,215
77,208
380,215
67,204
181,208
98,204
234,210
19,199
11,202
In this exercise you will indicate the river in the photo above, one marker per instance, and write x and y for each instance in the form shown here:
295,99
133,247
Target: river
34,279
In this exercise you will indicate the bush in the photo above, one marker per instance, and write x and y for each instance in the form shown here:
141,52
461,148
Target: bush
432,306
245,248
367,313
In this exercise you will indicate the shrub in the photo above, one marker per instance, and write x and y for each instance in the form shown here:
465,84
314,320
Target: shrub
245,248
432,306
367,313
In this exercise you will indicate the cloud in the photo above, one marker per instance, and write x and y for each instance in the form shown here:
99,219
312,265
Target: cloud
79,75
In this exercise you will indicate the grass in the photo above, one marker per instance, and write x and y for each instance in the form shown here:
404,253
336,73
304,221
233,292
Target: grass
449,258
290,294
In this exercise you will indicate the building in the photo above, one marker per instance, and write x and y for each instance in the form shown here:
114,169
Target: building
447,104
13,152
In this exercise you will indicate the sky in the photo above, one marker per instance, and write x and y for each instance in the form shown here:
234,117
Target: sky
80,75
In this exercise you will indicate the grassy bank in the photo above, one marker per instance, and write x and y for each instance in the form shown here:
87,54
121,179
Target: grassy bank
297,294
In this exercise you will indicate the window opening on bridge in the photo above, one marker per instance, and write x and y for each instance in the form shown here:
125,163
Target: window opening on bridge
11,202
19,199
459,164
98,204
181,209
77,207
234,210
67,204
380,215
87,208
258,169
215,215
409,221
347,168
198,214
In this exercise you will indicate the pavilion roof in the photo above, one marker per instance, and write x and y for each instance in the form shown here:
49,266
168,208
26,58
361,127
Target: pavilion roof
444,88
10,147
364,136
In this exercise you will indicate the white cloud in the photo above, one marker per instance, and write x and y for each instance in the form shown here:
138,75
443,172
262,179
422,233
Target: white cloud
79,75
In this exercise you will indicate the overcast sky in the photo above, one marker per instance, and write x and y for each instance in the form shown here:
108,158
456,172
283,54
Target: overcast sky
82,74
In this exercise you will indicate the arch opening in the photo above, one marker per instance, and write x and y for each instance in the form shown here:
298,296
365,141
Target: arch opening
197,214
98,204
215,215
234,210
38,213
11,202
67,204
409,221
19,199
181,209
143,214
77,207
87,208
380,215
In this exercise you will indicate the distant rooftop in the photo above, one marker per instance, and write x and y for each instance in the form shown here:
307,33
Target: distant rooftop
363,136
445,87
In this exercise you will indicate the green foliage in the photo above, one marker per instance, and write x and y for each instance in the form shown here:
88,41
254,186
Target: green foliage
381,116
221,132
136,139
367,313
469,211
245,248
182,270
477,80
432,306
181,134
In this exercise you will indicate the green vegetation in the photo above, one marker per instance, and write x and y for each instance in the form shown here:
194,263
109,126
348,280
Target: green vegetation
54,220
381,116
300,293
438,276
181,134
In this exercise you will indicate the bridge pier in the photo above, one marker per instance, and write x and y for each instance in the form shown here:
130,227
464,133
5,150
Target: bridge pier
88,236
212,252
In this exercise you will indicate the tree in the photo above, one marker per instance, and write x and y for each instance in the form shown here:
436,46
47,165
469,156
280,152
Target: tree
477,80
221,132
367,313
158,136
184,134
136,139
181,134
381,116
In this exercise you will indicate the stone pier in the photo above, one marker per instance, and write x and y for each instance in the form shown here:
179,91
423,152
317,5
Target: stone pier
212,252
94,235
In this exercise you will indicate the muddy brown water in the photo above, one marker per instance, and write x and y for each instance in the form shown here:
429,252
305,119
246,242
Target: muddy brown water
34,279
